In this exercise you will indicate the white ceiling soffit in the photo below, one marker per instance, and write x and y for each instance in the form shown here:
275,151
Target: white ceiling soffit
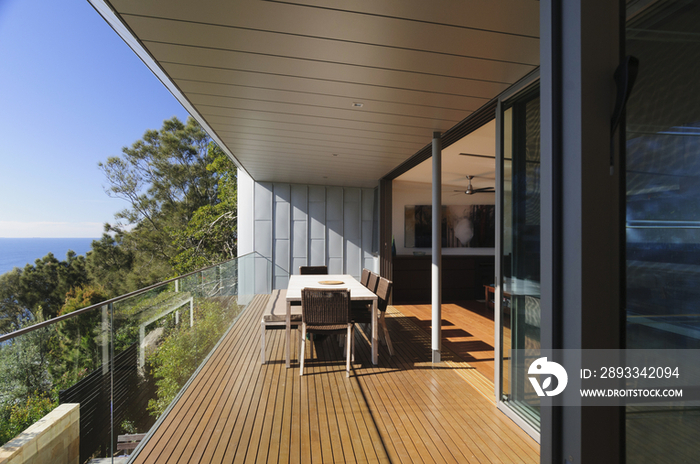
473,155
329,91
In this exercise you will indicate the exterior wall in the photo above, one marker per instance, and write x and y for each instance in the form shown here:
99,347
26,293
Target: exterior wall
55,439
295,225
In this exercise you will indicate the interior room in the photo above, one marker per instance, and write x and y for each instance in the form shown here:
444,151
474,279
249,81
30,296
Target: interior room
468,246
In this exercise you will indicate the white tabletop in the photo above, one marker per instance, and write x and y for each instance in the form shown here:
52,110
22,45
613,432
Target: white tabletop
357,290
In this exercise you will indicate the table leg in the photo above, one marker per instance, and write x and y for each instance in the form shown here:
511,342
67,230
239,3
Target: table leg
288,336
375,337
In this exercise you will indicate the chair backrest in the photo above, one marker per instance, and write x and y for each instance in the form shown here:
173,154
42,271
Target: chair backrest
373,282
383,293
322,306
364,280
308,270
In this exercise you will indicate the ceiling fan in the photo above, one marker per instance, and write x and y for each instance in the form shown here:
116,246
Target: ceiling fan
471,190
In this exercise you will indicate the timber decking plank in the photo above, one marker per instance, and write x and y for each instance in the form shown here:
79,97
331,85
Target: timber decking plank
417,392
403,410
176,422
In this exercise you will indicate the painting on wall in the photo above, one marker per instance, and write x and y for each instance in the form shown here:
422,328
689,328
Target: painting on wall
463,226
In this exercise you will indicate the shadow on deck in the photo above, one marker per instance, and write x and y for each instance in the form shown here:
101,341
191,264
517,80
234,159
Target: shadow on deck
404,410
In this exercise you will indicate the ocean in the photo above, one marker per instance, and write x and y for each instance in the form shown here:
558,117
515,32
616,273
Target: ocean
17,252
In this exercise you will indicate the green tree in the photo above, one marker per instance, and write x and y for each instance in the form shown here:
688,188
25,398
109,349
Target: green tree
79,339
164,179
109,264
211,235
12,311
41,286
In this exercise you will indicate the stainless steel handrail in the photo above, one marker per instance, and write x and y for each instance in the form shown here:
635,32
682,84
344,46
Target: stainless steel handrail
78,312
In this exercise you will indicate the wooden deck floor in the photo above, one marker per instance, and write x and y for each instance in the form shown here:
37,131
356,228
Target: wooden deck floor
404,410
467,330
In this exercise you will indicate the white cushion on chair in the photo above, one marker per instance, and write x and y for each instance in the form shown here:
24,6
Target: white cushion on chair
276,309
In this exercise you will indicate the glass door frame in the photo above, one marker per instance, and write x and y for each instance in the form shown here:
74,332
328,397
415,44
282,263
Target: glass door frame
517,90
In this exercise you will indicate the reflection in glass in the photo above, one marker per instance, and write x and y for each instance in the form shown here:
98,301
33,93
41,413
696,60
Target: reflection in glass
520,310
663,212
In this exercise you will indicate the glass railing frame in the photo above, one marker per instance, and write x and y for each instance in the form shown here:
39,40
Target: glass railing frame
218,280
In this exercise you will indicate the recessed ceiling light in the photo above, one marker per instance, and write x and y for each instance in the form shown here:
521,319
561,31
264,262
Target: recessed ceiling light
358,105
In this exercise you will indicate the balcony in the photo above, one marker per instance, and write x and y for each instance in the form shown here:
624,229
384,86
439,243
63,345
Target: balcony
233,409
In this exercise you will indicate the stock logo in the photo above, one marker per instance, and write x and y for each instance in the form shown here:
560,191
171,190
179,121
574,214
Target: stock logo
543,367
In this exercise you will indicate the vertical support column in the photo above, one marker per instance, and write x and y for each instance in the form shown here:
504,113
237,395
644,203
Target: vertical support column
580,260
436,269
191,312
385,229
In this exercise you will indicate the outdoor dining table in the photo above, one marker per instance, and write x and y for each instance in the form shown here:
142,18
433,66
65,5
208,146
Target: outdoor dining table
358,292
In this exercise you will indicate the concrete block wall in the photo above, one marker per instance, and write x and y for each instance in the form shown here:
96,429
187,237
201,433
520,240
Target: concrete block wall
54,439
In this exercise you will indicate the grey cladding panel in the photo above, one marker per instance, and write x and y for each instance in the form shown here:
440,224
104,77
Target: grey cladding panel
298,225
283,193
368,204
300,203
335,265
299,240
367,238
318,253
334,204
317,193
281,257
317,229
351,218
263,201
335,240
263,238
353,259
282,223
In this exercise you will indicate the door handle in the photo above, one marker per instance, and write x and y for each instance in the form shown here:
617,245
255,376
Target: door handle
625,77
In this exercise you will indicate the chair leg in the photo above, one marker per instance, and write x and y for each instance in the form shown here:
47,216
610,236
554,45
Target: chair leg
262,342
303,349
382,320
348,347
301,339
353,343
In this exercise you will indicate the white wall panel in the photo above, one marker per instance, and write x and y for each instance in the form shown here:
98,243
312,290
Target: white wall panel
300,227
367,212
352,231
297,225
263,219
334,229
282,235
262,234
317,226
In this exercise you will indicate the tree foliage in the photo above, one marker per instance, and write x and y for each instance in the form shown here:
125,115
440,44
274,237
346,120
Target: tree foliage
183,349
211,234
164,179
180,190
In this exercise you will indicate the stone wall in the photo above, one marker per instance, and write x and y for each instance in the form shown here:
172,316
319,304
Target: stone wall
55,438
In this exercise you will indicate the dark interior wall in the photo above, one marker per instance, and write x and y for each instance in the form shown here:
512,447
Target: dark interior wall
463,278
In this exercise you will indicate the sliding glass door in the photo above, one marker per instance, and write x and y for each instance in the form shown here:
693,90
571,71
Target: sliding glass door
663,214
518,302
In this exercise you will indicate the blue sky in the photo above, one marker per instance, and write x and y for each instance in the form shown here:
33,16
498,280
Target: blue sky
72,93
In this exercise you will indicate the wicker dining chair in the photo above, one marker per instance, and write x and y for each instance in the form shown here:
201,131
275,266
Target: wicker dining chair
309,270
326,311
364,279
364,316
372,282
